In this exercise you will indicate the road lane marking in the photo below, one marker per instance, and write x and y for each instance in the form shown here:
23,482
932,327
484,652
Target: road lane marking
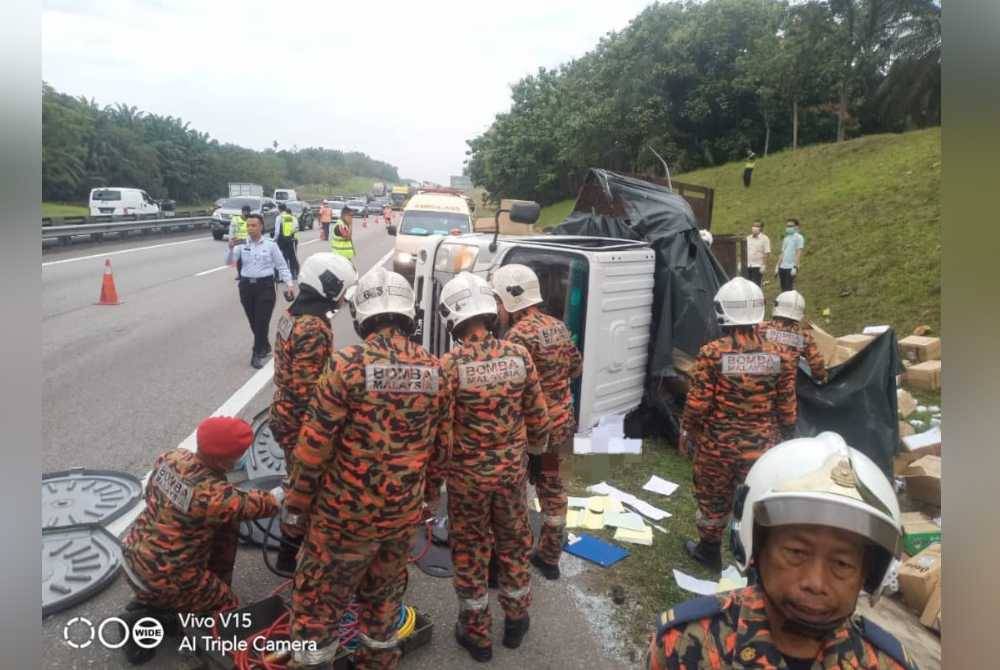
208,272
385,259
317,239
124,251
232,407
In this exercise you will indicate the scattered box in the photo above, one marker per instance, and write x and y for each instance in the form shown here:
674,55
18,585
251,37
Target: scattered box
927,443
905,402
919,349
825,343
923,480
842,355
905,429
932,611
926,376
855,342
919,576
919,532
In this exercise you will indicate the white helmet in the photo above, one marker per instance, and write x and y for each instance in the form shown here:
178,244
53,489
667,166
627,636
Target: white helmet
739,302
517,286
328,274
706,236
464,297
790,305
381,291
819,481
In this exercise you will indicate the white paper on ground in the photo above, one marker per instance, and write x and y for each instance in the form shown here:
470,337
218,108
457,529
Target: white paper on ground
730,580
874,330
572,501
647,510
658,485
693,584
924,439
643,537
644,508
626,520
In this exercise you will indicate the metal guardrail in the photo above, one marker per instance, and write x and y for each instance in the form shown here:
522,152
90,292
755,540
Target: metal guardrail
97,231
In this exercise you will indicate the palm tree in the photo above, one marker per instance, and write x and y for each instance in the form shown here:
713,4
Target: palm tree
910,94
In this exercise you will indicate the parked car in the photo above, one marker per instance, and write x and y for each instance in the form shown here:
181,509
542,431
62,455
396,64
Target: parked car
359,206
303,212
335,205
118,201
266,207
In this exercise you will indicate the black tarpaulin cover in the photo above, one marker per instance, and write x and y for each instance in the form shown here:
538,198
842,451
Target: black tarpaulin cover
858,401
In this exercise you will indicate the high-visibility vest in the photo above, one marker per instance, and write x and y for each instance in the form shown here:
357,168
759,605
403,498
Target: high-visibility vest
289,226
750,164
240,225
341,245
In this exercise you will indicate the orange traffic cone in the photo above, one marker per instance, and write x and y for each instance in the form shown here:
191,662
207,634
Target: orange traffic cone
109,295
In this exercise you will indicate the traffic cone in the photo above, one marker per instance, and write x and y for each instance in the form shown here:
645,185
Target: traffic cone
109,295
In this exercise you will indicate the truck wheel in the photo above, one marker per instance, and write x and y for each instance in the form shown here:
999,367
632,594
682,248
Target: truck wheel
217,236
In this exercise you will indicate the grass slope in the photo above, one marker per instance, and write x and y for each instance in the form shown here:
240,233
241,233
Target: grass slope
870,211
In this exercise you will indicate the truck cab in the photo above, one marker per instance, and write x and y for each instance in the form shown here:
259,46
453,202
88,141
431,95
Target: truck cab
285,195
601,288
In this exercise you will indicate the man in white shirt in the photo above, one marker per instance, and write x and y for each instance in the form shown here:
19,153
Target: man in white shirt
758,253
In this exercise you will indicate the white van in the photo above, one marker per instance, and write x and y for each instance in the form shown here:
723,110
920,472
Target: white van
427,214
117,201
285,195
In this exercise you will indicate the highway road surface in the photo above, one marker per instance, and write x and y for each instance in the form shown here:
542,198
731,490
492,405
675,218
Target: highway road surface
124,383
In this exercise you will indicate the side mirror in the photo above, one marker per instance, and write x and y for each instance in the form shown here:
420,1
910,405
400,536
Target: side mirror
525,211
391,230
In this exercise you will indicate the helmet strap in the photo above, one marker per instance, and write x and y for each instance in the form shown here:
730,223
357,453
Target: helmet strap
793,626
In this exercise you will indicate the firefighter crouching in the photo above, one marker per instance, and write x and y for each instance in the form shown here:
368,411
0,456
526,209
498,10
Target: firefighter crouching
499,415
785,330
742,397
303,346
817,522
359,470
558,362
179,554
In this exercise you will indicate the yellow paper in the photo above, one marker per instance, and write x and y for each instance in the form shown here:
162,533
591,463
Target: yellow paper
574,518
592,520
601,504
644,537
613,505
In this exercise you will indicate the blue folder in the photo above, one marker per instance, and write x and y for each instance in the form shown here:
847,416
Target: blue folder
596,550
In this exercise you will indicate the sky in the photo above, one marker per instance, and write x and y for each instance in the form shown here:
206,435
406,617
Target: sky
404,82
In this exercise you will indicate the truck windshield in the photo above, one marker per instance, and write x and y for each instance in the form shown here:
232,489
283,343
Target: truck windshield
281,195
106,195
433,223
239,203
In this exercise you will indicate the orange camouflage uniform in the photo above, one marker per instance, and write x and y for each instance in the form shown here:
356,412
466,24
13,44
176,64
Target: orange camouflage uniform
179,553
366,443
558,361
499,412
797,340
731,630
742,397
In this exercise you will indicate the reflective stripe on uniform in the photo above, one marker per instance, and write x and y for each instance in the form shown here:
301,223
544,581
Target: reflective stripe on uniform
516,594
467,604
371,643
315,656
553,520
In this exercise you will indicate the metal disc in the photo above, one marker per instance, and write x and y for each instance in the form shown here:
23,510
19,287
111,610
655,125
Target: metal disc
266,456
251,532
74,497
77,563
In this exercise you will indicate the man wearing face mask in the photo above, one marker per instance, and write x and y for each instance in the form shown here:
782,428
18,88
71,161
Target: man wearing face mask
791,255
817,522
302,348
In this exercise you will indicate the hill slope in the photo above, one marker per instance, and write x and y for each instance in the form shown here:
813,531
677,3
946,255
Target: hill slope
871,215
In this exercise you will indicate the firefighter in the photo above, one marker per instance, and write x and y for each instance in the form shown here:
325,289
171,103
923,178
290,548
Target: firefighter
341,237
818,523
387,213
742,396
286,231
499,415
785,330
179,554
368,442
558,362
303,345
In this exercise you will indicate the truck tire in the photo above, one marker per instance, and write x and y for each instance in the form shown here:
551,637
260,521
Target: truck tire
216,235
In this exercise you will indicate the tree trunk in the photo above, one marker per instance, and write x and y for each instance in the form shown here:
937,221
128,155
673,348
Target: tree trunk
767,136
795,124
842,112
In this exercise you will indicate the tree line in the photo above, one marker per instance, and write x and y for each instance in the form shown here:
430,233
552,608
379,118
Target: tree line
85,145
704,83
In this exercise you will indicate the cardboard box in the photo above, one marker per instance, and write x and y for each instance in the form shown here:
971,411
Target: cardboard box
855,342
906,429
919,576
842,355
918,349
926,375
923,480
905,402
919,532
932,611
825,343
508,227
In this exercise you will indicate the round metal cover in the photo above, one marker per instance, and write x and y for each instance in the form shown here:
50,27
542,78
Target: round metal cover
266,456
251,532
77,563
78,496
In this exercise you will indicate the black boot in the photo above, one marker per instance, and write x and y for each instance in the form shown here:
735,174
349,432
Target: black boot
514,631
134,654
287,557
708,554
548,570
481,654
492,578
